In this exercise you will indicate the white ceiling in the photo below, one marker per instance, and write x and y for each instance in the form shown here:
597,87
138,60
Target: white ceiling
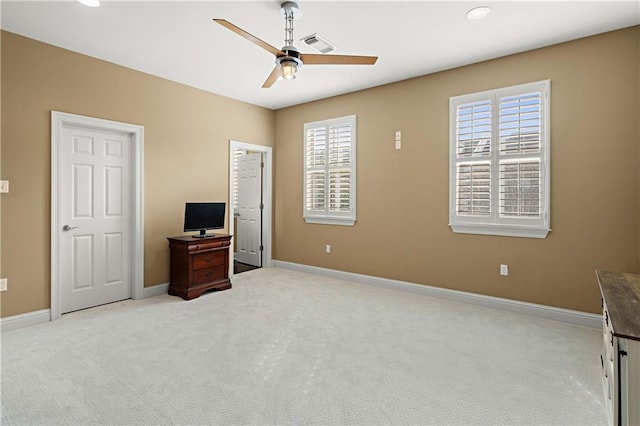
178,40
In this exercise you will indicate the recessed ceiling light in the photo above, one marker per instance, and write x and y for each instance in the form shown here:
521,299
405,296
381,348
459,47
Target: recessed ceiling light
90,3
478,12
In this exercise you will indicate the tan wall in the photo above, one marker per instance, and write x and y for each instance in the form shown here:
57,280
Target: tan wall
402,205
402,230
186,152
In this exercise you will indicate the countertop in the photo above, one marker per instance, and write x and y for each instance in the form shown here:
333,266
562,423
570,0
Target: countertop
621,294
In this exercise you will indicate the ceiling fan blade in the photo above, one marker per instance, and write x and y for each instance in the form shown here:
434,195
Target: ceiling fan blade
255,40
273,77
317,59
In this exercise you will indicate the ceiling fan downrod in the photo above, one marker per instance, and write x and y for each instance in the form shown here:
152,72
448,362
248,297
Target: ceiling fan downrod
290,62
291,11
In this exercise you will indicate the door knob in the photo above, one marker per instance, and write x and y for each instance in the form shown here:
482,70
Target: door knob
69,228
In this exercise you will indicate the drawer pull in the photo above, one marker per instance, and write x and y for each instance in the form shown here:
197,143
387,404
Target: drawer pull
611,338
208,274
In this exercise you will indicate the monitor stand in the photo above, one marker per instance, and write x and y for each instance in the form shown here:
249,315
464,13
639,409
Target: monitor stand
203,234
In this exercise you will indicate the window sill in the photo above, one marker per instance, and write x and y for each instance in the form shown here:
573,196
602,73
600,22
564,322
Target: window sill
501,230
323,220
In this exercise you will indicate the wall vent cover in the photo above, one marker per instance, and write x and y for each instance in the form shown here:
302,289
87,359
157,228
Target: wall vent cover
319,43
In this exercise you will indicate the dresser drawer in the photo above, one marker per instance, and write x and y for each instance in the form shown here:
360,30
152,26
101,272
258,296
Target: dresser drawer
202,276
207,260
208,245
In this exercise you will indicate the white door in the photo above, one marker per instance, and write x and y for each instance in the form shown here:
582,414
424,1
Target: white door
95,192
249,213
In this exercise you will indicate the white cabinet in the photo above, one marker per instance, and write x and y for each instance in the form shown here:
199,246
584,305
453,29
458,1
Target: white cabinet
620,357
629,381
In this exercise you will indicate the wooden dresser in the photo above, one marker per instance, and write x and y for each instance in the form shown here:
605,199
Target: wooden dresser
199,264
621,346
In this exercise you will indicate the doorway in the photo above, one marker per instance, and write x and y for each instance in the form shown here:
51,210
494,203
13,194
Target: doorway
96,212
250,171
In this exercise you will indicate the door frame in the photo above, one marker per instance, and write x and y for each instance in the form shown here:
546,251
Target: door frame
136,243
267,188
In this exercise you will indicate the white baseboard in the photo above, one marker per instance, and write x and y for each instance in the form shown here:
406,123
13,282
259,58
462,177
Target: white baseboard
24,320
559,314
584,319
155,290
37,317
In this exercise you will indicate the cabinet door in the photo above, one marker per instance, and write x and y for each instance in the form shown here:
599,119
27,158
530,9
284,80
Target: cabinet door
629,381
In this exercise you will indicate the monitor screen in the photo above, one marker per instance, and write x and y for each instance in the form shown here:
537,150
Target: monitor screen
203,216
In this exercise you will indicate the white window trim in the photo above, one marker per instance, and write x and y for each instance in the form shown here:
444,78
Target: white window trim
493,225
326,218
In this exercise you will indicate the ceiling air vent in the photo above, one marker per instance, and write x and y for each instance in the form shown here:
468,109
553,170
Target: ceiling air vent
319,43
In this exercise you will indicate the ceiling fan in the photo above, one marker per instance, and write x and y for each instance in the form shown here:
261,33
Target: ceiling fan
288,59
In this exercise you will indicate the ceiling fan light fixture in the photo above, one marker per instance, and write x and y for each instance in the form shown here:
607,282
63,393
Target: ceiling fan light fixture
478,12
288,69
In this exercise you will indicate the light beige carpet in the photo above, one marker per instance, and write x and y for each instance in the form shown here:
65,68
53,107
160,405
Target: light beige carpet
284,347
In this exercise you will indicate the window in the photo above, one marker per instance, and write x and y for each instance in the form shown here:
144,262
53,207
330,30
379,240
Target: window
499,162
330,171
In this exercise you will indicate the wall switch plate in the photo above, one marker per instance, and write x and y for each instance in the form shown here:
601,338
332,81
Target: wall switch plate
504,270
3,284
327,248
398,135
4,186
398,144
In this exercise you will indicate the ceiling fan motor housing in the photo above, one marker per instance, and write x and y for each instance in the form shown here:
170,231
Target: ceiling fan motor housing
290,54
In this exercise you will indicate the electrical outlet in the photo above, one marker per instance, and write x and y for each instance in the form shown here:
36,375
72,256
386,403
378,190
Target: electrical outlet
4,186
398,144
398,135
3,284
327,248
504,270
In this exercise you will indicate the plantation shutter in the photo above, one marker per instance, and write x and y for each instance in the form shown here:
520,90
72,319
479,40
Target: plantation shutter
316,161
330,171
520,137
473,129
474,189
520,189
238,152
473,140
499,161
340,168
